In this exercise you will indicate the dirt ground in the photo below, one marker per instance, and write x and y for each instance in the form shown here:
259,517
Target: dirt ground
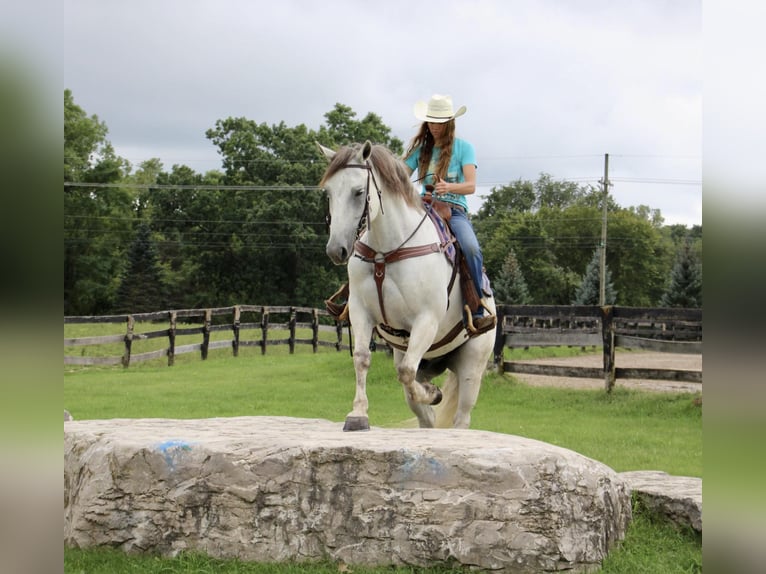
624,359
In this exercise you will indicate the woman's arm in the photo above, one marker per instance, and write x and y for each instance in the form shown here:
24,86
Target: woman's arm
467,187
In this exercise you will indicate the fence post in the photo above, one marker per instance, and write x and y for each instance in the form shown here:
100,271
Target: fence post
206,333
315,329
291,325
499,341
339,335
235,329
264,328
172,339
607,336
128,341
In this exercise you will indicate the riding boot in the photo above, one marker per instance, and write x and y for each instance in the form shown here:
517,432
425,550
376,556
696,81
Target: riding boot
478,324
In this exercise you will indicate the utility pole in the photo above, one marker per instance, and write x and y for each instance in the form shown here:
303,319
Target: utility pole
602,258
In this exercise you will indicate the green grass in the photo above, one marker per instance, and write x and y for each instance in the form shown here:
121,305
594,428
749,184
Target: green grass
653,545
110,561
627,430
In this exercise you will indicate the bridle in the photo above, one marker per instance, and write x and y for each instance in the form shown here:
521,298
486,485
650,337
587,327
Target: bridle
364,219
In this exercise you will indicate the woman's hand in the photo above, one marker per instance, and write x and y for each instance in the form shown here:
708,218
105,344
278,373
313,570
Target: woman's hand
440,187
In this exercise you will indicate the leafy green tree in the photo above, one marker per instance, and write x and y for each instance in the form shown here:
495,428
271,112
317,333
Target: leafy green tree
589,291
270,241
553,227
685,286
639,257
97,220
343,129
183,208
509,200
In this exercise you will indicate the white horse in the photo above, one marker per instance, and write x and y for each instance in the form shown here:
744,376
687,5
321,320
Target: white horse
402,284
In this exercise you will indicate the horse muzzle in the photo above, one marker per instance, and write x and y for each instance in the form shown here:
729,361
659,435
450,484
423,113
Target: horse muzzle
338,254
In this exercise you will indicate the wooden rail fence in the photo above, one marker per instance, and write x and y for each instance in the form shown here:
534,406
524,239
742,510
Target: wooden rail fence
207,321
670,330
673,330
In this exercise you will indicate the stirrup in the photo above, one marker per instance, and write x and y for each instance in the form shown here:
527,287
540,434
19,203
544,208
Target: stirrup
338,311
482,324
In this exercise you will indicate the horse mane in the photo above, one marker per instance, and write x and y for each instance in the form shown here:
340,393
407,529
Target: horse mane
391,172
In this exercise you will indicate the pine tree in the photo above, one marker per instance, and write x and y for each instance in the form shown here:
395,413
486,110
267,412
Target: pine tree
685,286
589,290
140,289
510,286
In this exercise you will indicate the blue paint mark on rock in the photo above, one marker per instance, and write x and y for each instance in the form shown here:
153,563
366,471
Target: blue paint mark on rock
422,468
173,450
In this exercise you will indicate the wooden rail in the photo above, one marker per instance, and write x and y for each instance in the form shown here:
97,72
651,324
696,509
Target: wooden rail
671,330
203,322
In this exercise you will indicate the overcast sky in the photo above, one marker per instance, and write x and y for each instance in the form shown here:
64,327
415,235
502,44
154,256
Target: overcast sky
550,85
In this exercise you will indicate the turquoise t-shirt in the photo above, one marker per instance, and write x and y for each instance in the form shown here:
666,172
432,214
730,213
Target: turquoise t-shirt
463,153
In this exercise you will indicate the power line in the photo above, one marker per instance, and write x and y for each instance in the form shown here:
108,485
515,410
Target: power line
299,187
657,180
195,187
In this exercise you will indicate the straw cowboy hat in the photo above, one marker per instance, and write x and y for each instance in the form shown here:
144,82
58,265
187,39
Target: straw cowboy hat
437,110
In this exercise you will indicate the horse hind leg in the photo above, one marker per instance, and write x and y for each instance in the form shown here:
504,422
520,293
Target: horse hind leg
445,412
424,413
468,383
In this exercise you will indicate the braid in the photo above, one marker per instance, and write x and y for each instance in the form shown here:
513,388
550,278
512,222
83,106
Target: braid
446,150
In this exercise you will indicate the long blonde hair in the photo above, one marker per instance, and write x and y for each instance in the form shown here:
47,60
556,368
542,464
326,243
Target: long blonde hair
425,141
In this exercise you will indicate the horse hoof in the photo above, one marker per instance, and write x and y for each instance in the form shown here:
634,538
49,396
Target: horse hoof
356,424
437,398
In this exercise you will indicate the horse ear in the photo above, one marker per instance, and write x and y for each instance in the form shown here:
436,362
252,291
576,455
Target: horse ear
366,150
327,152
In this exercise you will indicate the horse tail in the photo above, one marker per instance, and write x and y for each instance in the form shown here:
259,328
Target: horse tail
446,409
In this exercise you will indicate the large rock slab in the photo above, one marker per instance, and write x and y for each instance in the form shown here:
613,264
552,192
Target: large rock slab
272,489
678,498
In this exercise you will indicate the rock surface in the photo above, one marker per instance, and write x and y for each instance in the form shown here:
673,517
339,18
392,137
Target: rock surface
273,489
679,498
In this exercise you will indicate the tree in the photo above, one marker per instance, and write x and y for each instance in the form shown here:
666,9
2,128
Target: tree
517,197
343,129
685,286
510,286
589,291
639,257
97,220
181,218
553,228
140,289
270,243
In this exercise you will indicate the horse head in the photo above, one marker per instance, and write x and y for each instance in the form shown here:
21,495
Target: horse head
347,184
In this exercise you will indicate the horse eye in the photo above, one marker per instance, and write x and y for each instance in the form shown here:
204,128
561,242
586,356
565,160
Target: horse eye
358,191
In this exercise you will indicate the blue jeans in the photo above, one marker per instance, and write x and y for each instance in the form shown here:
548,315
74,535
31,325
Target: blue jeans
469,245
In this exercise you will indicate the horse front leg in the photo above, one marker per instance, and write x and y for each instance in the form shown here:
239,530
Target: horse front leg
357,419
423,333
424,412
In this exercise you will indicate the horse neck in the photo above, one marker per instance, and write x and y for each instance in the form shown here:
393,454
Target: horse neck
395,224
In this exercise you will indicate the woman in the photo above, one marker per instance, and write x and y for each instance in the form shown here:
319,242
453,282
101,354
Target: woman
449,165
